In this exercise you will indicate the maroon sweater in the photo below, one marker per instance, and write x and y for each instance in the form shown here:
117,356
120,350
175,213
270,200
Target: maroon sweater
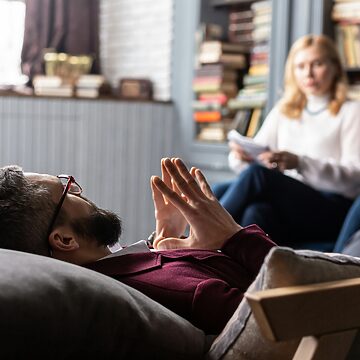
203,286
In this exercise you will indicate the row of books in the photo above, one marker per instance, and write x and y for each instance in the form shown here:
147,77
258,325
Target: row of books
216,80
346,11
254,91
347,37
241,27
246,121
225,88
346,15
87,86
347,31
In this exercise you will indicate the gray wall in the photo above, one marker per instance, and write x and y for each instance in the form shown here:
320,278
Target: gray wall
111,147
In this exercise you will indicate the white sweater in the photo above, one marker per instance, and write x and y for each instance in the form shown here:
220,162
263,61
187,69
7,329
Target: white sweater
328,146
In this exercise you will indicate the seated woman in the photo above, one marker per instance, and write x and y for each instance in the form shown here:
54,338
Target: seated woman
348,240
301,190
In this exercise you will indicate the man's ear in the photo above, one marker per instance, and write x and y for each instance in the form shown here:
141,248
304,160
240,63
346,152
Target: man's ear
63,239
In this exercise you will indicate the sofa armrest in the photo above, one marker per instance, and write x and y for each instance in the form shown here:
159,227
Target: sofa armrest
320,314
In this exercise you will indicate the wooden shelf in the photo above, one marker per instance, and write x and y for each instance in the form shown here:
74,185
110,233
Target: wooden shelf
218,3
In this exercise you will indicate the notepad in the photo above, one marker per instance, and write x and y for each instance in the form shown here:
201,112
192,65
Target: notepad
248,144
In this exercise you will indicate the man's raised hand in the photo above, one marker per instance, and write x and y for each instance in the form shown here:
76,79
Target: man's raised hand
210,224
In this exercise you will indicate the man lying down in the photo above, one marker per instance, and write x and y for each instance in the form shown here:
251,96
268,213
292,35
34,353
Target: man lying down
194,275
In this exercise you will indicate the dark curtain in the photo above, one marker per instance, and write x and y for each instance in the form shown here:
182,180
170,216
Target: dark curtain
70,26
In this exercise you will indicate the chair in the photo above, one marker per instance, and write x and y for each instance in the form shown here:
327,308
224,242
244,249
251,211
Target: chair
325,316
302,305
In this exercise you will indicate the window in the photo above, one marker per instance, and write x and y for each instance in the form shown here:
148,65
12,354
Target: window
12,20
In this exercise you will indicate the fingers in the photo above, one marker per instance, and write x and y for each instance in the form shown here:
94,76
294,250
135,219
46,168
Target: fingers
157,196
182,178
171,195
165,174
205,187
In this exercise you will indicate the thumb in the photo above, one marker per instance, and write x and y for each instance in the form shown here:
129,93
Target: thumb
170,243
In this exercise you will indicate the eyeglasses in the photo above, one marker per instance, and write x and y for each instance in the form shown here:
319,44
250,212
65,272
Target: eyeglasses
70,186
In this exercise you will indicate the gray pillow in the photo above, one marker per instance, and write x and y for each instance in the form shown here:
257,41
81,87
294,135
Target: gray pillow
242,339
55,310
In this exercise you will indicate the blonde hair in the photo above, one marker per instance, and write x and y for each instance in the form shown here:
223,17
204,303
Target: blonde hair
294,100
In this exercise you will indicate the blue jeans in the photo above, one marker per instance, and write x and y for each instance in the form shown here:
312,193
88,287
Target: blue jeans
290,211
350,226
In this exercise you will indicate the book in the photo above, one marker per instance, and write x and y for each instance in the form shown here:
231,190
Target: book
248,144
255,122
222,47
227,87
47,81
212,132
237,61
259,69
91,92
209,31
241,121
219,97
90,80
255,79
235,104
65,90
218,70
91,86
243,15
198,105
241,27
207,116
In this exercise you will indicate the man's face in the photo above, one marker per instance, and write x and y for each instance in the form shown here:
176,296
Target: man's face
74,205
103,226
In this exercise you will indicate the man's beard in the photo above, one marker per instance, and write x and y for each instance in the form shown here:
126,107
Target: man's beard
102,225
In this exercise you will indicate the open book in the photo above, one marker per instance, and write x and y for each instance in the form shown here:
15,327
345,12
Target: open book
248,144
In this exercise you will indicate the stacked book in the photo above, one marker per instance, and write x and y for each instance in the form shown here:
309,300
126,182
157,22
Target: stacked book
46,85
215,82
346,14
251,99
241,27
347,31
91,86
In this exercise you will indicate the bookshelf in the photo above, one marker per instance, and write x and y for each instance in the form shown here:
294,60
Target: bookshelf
293,18
232,67
346,19
219,3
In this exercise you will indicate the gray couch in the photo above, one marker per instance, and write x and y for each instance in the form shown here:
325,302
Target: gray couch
55,310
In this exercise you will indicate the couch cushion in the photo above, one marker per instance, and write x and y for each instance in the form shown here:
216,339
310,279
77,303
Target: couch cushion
51,309
241,339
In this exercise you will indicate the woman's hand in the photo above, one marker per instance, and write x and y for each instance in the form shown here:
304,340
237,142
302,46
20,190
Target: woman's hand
239,153
280,160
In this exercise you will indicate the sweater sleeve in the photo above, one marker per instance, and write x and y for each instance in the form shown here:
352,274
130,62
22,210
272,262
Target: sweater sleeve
341,176
249,247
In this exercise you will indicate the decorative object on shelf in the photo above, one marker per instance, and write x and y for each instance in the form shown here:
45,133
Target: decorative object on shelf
62,72
68,67
136,89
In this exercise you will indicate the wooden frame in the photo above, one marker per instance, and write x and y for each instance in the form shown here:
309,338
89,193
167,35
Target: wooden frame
326,316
